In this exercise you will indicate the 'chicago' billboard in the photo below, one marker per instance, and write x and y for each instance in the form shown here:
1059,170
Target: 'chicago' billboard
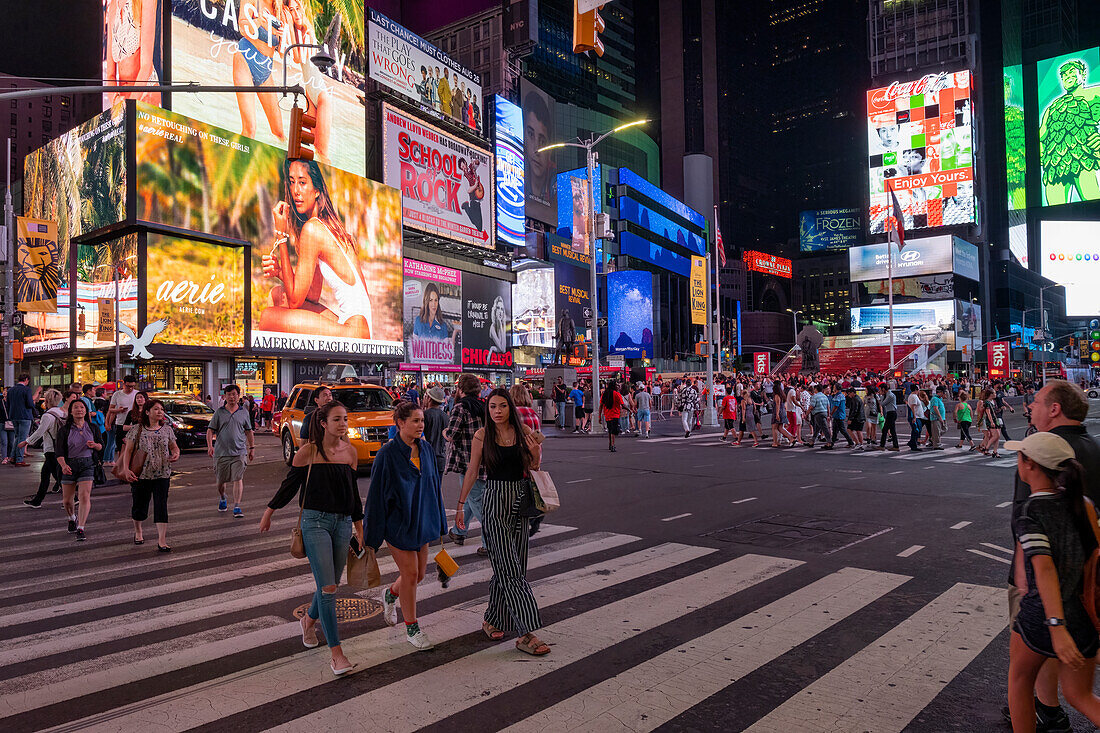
446,184
486,321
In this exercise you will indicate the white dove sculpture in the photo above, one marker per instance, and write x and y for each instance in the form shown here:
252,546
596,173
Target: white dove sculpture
139,350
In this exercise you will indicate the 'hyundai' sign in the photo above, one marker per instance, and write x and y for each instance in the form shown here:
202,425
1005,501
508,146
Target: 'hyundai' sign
923,256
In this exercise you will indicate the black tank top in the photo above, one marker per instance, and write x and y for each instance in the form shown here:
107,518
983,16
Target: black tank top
509,466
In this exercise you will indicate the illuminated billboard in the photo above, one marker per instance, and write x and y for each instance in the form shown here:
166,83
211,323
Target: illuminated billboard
1070,254
486,321
405,62
1069,139
242,43
540,170
919,143
432,314
906,289
509,173
1015,148
197,289
767,264
132,43
629,178
829,229
922,256
95,282
572,286
968,326
630,313
914,323
533,317
77,180
445,183
572,205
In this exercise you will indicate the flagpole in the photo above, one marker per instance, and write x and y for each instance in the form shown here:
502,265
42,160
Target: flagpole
890,277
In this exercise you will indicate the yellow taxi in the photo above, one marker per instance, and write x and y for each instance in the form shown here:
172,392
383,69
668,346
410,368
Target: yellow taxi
370,415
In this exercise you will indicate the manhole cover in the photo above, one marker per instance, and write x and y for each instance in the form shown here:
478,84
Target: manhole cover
348,609
812,534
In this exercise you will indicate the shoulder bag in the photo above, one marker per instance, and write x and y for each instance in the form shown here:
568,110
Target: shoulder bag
543,492
297,544
137,457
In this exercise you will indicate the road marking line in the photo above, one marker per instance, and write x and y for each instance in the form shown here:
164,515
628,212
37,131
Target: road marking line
861,539
651,694
77,680
928,467
890,681
911,551
1003,504
992,546
809,486
895,473
199,704
991,557
465,682
678,516
578,480
742,501
960,525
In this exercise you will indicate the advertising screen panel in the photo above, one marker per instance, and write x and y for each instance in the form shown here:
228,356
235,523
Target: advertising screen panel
968,326
906,289
509,162
965,258
534,319
648,251
197,290
77,180
571,294
698,291
344,230
486,321
630,313
767,264
572,205
914,323
95,284
829,229
132,43
446,187
1015,148
690,240
919,142
927,256
999,359
242,43
1069,111
1070,254
432,315
629,178
540,172
1017,243
405,62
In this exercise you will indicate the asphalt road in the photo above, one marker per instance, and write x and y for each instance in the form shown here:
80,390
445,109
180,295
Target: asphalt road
685,585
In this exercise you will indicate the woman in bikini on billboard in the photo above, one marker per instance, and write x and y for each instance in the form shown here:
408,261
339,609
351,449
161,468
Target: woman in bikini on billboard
131,40
262,23
307,221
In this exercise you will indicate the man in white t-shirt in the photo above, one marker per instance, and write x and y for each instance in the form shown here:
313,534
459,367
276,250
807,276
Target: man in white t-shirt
916,418
122,401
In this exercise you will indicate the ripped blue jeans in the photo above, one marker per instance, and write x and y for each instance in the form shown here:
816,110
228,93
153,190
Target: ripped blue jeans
326,538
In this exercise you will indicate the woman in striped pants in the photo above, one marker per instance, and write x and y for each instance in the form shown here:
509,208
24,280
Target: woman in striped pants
509,449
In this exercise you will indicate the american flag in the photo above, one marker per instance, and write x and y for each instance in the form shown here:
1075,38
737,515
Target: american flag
718,241
897,232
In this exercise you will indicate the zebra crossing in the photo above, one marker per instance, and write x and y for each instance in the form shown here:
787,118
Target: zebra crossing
105,636
950,454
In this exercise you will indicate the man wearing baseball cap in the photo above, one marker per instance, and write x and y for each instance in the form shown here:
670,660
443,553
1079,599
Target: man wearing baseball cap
1059,408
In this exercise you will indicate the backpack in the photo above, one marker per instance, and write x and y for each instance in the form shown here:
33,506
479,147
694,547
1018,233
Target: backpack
95,417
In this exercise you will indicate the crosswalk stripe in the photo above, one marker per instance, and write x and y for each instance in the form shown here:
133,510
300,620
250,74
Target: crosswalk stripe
21,694
203,703
467,681
885,685
385,563
651,694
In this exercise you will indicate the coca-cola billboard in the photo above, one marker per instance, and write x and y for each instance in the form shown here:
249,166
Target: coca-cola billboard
999,359
920,147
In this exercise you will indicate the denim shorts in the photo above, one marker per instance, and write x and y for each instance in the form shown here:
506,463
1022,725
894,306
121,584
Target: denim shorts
83,470
643,415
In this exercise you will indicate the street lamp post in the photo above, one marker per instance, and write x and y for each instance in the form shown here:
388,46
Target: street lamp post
1043,325
589,147
794,320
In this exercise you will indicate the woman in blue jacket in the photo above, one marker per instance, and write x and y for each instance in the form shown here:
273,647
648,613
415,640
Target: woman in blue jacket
405,508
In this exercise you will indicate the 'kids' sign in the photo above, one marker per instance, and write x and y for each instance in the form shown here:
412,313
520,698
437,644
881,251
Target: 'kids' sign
446,185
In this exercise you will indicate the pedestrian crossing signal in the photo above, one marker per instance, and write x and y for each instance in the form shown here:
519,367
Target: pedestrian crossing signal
302,134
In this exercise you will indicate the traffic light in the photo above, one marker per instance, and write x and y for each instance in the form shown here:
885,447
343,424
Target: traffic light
587,27
1094,341
301,134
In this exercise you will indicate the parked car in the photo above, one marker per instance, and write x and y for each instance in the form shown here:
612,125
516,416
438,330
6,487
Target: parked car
188,416
370,415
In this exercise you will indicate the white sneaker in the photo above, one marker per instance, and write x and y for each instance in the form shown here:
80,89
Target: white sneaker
389,608
419,640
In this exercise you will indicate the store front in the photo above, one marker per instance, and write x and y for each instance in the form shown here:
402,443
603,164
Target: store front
171,376
311,371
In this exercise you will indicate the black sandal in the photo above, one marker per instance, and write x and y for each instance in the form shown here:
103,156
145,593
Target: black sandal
139,542
163,548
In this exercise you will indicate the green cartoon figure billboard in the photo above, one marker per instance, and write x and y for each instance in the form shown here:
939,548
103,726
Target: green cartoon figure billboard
1015,153
1069,127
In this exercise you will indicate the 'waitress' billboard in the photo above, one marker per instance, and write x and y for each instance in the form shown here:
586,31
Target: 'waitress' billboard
446,185
486,321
